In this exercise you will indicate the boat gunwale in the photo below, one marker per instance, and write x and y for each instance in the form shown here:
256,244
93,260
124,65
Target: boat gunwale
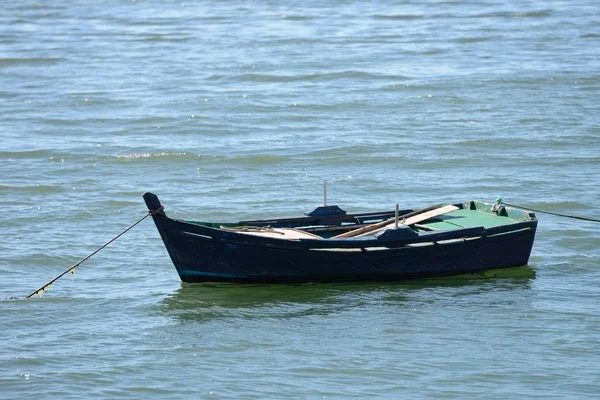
519,220
241,238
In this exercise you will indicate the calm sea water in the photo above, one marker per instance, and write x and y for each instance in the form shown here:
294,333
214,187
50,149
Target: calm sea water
237,109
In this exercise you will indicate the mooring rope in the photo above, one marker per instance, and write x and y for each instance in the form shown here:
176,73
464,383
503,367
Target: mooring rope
72,268
552,213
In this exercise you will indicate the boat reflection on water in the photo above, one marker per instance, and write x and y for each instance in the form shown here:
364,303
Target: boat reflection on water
517,274
209,301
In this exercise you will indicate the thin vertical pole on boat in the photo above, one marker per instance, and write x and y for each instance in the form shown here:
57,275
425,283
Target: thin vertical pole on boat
325,193
396,216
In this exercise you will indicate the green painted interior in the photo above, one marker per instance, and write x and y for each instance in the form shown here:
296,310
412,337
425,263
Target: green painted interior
468,219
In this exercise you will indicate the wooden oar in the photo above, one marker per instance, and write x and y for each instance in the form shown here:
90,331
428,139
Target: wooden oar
419,218
381,224
427,215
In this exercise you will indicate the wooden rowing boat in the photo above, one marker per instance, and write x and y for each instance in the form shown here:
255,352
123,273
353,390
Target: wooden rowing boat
331,245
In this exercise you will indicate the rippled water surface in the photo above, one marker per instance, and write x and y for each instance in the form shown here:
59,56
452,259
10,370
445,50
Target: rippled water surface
231,110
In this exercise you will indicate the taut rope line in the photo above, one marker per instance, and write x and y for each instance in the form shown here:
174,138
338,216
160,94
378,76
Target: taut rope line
72,268
553,213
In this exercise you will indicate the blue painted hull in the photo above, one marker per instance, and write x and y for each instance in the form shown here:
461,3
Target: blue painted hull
205,254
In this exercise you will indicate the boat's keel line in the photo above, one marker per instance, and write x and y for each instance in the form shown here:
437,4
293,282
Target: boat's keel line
192,273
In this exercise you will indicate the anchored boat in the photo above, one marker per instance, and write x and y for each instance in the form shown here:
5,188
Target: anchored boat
330,245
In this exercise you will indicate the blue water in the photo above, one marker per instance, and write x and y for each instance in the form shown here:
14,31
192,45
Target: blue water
236,110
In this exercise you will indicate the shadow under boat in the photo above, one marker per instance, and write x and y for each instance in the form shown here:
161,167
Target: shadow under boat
207,301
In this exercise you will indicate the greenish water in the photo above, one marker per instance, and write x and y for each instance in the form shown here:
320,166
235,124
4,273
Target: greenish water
240,110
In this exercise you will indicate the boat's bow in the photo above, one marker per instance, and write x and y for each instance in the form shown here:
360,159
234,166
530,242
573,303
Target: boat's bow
153,204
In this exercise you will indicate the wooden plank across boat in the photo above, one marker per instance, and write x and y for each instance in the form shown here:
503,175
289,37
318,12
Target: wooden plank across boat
330,245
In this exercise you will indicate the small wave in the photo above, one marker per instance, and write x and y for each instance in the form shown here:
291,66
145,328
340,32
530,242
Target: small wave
32,188
164,39
560,206
109,204
150,120
534,14
468,40
343,151
513,14
259,159
350,74
136,156
25,154
498,143
30,60
297,17
398,17
433,52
